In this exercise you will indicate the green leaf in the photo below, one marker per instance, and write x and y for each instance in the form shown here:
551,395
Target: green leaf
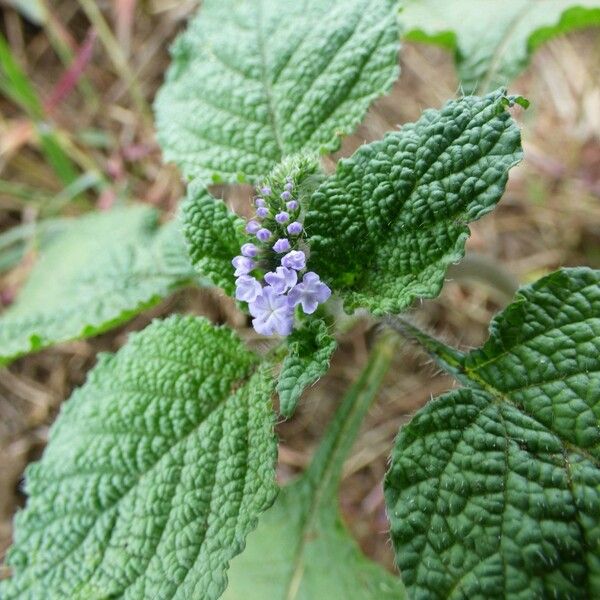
301,550
494,490
252,82
214,235
493,41
385,227
96,273
155,471
309,351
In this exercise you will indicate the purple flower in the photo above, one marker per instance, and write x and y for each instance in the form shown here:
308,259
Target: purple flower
282,245
294,260
262,212
264,235
249,250
247,288
272,313
289,186
286,195
282,280
260,202
282,217
243,265
265,190
310,293
292,205
252,226
294,228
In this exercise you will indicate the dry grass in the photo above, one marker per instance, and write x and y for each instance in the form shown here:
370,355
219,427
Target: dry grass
550,216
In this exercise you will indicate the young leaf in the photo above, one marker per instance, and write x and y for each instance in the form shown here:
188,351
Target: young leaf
252,82
301,550
98,272
155,471
310,349
494,490
493,41
384,228
213,234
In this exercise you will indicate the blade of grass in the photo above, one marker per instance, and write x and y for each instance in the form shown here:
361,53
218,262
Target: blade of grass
24,192
111,45
60,42
15,84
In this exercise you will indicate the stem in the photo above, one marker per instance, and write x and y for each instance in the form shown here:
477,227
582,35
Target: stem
325,470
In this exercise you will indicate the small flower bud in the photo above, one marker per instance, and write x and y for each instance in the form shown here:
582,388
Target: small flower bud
286,196
252,226
249,250
265,190
296,259
289,186
282,245
260,202
264,235
262,212
282,217
294,228
292,205
243,265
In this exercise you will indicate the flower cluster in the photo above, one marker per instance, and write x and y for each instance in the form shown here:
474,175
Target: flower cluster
278,242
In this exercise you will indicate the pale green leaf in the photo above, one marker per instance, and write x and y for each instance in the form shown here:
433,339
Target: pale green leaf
493,40
309,350
494,490
301,549
96,273
254,81
384,228
155,471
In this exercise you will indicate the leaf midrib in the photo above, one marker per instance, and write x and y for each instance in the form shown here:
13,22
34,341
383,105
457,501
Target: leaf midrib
499,397
260,40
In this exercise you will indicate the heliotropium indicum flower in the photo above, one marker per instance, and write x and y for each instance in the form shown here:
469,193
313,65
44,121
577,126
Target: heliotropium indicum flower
310,293
273,300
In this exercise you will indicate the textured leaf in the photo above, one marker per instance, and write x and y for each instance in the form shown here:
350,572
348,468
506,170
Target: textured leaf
254,81
301,550
310,349
384,228
494,490
214,236
99,271
493,40
155,472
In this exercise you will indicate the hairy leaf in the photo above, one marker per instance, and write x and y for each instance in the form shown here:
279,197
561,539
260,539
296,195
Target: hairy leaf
492,40
384,228
156,470
301,550
97,272
494,490
214,235
252,82
310,349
